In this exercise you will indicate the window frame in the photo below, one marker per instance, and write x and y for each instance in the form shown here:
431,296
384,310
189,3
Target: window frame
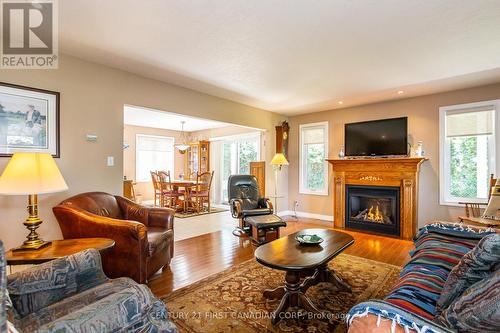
137,136
302,188
444,177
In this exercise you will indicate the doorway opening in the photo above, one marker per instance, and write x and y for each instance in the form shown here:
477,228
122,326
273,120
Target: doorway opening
185,147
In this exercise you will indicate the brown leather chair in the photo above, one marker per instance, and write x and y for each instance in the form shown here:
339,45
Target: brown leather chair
144,236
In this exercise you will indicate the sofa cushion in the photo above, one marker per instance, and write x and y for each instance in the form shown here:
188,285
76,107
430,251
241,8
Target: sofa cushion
158,239
423,278
131,309
70,304
477,309
50,282
473,267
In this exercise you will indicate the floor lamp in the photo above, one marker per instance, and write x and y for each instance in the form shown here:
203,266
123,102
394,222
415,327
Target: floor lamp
277,162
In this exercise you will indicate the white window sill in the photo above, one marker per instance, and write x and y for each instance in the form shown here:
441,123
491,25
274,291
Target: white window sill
456,204
324,194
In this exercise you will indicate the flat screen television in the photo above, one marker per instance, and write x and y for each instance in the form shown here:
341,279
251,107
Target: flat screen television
377,138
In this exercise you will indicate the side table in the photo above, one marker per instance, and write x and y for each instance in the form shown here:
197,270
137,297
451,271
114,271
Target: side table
58,249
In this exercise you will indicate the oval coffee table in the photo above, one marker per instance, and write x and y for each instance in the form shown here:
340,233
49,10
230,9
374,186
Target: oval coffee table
309,261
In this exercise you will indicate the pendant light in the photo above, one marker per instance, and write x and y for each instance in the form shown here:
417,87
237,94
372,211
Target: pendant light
183,146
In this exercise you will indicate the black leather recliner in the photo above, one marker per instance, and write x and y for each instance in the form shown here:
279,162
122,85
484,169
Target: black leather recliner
245,200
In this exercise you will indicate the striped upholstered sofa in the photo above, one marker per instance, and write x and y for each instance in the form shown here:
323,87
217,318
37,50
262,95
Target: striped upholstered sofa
72,294
421,301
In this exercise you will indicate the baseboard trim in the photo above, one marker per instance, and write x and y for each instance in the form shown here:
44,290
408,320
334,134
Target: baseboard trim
308,215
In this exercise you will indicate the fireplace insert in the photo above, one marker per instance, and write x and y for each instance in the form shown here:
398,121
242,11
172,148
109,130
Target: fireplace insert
373,208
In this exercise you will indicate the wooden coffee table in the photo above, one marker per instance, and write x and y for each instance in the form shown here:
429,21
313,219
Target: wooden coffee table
58,249
309,262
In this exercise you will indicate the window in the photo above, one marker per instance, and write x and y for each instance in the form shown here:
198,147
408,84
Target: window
467,151
153,153
313,169
237,153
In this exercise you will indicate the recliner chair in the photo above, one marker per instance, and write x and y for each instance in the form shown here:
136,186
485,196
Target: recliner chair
255,214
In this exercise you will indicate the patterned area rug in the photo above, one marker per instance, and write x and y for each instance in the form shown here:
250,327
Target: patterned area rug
232,300
204,212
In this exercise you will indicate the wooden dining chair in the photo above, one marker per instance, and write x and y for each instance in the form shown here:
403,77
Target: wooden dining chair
201,192
473,209
157,187
169,195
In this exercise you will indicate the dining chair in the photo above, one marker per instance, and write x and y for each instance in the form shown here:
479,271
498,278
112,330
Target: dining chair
157,187
201,192
169,194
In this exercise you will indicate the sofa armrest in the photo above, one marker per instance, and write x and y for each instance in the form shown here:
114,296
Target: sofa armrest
455,229
149,216
48,283
161,217
379,316
129,255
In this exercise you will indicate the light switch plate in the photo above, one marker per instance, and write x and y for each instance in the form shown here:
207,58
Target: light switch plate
111,161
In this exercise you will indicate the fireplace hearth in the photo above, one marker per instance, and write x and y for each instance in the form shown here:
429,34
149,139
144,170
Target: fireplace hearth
373,208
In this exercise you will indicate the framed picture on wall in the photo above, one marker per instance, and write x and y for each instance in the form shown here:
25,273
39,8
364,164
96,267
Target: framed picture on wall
29,120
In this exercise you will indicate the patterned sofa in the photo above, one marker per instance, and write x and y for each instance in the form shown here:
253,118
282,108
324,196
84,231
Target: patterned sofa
72,294
423,301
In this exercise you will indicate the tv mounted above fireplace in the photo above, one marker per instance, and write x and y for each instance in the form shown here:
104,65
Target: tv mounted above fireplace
384,137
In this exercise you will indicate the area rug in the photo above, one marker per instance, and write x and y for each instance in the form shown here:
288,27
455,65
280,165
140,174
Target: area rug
204,212
232,300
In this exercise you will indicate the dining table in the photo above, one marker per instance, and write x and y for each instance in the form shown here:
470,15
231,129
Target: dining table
188,185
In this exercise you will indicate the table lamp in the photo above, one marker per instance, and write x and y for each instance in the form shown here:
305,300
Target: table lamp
278,161
493,207
31,174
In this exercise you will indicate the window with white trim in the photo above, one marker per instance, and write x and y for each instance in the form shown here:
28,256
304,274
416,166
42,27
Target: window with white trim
468,137
153,153
313,168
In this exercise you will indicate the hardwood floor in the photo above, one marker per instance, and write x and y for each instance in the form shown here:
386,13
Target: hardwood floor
199,257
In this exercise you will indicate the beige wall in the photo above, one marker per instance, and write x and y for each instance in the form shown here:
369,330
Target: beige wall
92,99
145,189
221,132
423,123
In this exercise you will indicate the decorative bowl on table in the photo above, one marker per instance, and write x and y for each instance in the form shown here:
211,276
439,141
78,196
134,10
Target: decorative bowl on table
308,239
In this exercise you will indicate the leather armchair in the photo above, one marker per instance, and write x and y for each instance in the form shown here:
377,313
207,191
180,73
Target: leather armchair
244,199
144,237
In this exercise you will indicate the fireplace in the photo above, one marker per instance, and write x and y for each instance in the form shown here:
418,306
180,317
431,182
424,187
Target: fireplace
373,208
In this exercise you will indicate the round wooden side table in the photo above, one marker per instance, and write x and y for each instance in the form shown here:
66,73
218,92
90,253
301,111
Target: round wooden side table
58,249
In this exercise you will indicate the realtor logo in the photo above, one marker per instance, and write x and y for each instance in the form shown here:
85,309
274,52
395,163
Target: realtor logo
29,34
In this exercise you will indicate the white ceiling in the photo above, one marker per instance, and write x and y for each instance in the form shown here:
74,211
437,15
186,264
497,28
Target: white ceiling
138,116
292,56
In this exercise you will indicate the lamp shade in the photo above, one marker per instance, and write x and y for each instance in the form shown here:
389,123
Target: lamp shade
279,159
31,173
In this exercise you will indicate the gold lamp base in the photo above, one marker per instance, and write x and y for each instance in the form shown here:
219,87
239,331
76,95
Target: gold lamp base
32,246
33,240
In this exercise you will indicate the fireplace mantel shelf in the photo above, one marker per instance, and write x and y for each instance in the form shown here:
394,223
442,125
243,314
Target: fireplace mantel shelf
396,171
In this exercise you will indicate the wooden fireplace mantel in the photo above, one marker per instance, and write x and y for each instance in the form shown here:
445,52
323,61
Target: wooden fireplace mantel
401,172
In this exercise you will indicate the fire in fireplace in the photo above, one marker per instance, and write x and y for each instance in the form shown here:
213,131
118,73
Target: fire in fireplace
373,208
